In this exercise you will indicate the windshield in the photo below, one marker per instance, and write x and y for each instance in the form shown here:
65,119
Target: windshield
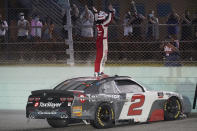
74,85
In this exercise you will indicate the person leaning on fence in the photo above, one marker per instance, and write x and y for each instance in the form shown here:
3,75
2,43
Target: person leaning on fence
172,54
87,22
102,20
23,28
3,29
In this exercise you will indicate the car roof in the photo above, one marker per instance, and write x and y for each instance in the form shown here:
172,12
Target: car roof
110,78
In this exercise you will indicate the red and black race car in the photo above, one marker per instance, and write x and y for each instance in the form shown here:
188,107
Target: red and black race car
104,103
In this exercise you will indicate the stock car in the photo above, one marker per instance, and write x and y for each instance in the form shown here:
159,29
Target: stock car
103,103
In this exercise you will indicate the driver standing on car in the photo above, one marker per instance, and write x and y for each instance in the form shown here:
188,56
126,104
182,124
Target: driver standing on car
102,20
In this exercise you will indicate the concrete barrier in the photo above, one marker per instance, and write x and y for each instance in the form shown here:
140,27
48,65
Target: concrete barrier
17,82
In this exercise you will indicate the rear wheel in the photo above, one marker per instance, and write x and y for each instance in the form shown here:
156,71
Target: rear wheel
172,109
58,123
104,116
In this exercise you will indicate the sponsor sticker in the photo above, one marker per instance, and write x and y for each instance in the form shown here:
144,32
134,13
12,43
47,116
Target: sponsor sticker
50,104
77,110
82,98
36,104
47,113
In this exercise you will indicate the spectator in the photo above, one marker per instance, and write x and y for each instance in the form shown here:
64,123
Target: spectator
194,25
87,21
173,21
65,30
48,28
29,37
153,27
136,22
75,20
36,33
3,29
36,28
186,27
133,7
23,28
128,30
171,49
194,45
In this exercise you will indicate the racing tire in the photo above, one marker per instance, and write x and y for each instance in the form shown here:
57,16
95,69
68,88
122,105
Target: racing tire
57,123
172,109
104,116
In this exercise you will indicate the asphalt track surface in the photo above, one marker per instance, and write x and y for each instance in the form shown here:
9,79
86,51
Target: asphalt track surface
16,121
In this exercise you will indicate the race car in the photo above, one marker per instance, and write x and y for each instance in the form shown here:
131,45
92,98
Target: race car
103,102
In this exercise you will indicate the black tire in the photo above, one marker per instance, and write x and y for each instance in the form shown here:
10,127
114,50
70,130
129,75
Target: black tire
104,116
172,109
58,123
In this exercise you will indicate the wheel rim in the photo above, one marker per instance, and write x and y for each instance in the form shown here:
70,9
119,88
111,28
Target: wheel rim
173,108
105,115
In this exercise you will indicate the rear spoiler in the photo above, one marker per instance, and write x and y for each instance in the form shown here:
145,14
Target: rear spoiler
51,91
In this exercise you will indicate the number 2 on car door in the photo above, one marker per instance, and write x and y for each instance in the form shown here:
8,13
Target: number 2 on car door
132,109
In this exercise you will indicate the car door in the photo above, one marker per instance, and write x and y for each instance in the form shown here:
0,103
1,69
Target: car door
138,102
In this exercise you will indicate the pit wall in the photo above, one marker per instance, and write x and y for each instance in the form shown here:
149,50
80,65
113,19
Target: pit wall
17,82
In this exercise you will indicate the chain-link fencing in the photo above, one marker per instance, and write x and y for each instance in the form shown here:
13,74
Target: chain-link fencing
50,34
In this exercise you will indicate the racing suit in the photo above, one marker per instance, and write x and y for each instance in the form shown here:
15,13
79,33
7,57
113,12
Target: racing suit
101,42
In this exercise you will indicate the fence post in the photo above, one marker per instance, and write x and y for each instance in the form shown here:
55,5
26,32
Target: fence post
69,41
195,97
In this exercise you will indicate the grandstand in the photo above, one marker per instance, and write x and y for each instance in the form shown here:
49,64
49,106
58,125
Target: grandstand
68,47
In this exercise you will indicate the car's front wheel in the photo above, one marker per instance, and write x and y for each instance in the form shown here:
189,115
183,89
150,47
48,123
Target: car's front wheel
104,116
172,109
58,123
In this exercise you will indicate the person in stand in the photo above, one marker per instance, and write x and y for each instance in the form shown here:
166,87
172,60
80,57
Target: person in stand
137,20
36,28
172,53
3,29
173,24
87,22
128,29
47,31
152,28
186,32
36,33
102,20
23,30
